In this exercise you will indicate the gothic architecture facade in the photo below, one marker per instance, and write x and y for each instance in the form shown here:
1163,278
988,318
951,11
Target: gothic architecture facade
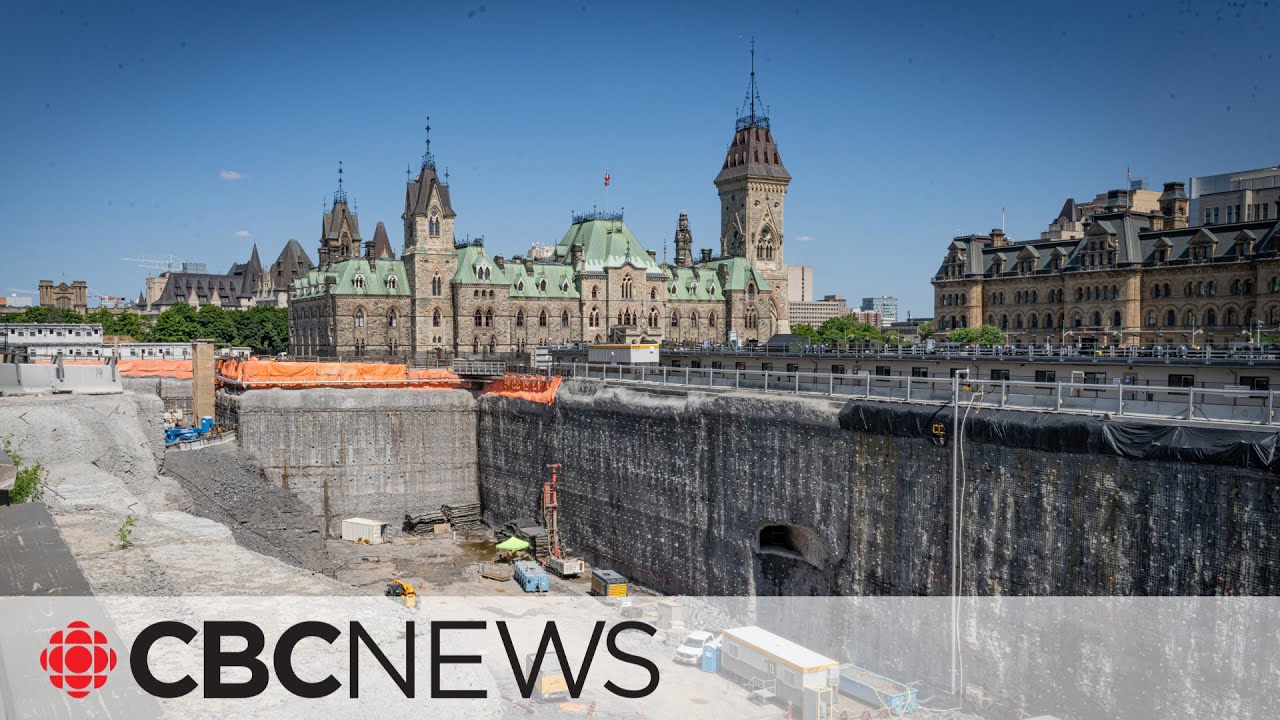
1118,275
599,284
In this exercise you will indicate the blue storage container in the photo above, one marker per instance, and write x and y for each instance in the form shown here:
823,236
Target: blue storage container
711,658
531,577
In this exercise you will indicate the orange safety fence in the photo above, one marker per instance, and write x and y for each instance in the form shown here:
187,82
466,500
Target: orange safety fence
534,388
270,373
176,369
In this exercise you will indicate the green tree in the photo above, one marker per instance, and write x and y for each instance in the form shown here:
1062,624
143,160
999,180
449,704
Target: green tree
216,324
264,329
983,335
131,324
176,324
848,328
925,330
806,330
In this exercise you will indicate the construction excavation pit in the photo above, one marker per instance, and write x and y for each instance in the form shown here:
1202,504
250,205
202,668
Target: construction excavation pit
751,533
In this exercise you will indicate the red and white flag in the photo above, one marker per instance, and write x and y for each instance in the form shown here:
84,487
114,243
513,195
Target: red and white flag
606,178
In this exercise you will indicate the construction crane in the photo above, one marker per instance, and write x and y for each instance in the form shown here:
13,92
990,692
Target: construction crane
20,291
168,263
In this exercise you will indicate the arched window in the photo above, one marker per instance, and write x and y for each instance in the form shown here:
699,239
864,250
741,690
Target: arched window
542,285
358,282
1248,287
479,317
1017,322
751,319
359,317
1077,320
595,290
1155,290
437,284
1048,320
1004,322
1151,318
1116,321
564,318
1097,319
711,319
1210,317
653,293
391,318
626,287
520,318
1169,319
1035,322
1189,319
1232,317
392,282
1211,289
435,318
593,320
542,318
488,317
1166,290
751,290
693,319
675,319
653,317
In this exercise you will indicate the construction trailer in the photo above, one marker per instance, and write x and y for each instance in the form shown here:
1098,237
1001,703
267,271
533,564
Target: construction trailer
364,530
607,583
776,669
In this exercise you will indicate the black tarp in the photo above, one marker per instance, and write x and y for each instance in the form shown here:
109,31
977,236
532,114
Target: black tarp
1060,432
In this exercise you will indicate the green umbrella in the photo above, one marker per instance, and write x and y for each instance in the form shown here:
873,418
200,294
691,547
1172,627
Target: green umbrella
513,544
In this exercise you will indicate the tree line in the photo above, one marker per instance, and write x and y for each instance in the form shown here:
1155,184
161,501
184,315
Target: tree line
848,329
263,329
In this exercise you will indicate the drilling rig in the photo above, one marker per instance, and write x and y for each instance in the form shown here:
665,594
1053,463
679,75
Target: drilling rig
556,561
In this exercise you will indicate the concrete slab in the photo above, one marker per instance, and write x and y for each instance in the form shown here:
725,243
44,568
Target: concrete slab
34,559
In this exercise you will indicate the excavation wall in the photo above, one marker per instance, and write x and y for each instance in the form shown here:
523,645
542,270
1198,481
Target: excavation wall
716,494
361,452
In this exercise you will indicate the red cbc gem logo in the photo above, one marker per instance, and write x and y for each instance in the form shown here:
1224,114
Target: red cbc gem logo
78,659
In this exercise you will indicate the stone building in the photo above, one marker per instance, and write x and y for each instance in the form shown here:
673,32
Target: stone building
1117,276
244,285
74,297
597,284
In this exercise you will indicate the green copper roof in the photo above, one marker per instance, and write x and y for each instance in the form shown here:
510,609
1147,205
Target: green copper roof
683,284
386,278
476,267
606,243
549,280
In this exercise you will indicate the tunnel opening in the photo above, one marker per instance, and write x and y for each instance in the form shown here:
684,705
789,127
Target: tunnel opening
792,541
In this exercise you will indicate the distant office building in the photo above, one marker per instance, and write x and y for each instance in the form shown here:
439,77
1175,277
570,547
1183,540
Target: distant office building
909,330
869,317
816,312
74,297
885,305
800,283
1234,197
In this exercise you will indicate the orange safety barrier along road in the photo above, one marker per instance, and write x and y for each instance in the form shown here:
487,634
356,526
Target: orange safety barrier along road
534,388
253,374
176,369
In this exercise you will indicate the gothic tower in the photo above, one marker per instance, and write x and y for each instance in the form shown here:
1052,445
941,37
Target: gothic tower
684,242
753,187
340,229
430,260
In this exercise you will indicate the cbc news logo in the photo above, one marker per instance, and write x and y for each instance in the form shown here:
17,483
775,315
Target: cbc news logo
78,659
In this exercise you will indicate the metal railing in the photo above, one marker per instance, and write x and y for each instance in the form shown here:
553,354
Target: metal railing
1250,407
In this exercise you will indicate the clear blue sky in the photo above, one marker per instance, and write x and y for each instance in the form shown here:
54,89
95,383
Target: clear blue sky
903,124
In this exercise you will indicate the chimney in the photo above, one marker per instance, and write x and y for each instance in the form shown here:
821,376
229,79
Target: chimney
500,261
528,266
575,255
653,255
997,238
706,254
1117,199
722,272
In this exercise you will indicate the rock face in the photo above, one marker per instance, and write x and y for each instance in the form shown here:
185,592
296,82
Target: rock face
732,494
361,452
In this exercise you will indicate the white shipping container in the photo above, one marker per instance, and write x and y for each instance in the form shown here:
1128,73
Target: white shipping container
371,531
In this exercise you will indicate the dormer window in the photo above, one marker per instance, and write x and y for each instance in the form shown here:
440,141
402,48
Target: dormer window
520,286
392,282
564,287
358,282
542,285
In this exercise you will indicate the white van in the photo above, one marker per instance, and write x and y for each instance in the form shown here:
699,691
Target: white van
690,649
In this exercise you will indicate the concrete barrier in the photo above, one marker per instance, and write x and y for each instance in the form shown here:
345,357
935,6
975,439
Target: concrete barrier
8,477
30,379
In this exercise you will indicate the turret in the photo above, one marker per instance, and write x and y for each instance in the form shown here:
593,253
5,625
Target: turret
684,242
1175,206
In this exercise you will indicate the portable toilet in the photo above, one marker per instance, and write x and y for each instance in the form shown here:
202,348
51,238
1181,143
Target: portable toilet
711,658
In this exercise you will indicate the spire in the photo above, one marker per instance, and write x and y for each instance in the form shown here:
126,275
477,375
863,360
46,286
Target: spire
683,242
341,195
428,160
753,112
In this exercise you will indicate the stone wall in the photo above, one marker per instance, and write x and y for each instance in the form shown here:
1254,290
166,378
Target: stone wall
361,452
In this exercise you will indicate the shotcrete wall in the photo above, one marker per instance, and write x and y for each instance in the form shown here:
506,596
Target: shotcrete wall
361,452
674,489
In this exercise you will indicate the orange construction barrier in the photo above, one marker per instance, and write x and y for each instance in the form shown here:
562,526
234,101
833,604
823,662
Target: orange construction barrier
534,388
176,369
270,373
